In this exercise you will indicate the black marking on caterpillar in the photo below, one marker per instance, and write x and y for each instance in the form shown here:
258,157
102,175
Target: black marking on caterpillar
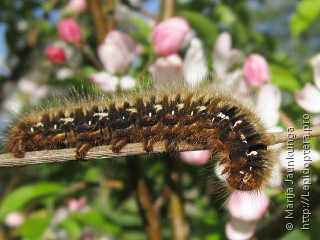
232,132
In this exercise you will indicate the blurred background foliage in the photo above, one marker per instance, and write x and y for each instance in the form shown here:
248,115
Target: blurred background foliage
286,33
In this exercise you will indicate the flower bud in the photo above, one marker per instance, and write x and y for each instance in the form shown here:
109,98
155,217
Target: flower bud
69,30
56,55
168,36
256,70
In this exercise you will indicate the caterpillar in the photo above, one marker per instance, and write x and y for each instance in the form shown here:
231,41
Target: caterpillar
232,131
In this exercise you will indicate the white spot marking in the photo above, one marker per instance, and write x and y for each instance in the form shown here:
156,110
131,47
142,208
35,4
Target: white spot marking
123,117
212,119
55,126
39,124
150,114
252,153
66,120
180,106
250,168
101,115
89,123
31,129
201,108
191,113
157,107
241,172
132,110
172,113
223,116
237,123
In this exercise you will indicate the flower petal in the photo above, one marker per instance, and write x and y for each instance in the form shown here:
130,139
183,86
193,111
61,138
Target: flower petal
315,62
268,104
247,206
194,66
240,230
308,98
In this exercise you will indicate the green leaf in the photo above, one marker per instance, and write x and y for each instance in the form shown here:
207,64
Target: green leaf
142,31
35,226
17,199
72,228
205,29
283,78
307,11
96,220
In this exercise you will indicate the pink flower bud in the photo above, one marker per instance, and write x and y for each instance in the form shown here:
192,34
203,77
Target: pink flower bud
256,70
69,30
117,52
14,219
248,206
196,157
55,55
76,6
168,36
75,205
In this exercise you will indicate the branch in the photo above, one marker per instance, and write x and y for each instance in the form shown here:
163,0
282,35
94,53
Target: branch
98,19
144,200
176,213
63,155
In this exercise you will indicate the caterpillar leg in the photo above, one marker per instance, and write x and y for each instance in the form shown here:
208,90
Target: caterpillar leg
82,150
117,145
18,149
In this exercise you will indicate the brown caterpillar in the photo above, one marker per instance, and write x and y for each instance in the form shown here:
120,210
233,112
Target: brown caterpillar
232,132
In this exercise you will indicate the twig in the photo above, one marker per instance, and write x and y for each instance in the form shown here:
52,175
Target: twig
168,9
176,214
144,200
98,19
63,155
110,18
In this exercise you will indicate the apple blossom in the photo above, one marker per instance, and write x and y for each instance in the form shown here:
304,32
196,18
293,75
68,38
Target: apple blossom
168,35
69,30
256,70
166,69
55,55
117,52
14,219
247,206
315,62
76,6
268,104
76,204
308,98
240,230
200,157
105,81
224,57
297,162
194,64
127,82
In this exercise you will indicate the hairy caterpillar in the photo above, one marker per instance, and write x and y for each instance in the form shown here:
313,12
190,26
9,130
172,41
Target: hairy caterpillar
232,132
